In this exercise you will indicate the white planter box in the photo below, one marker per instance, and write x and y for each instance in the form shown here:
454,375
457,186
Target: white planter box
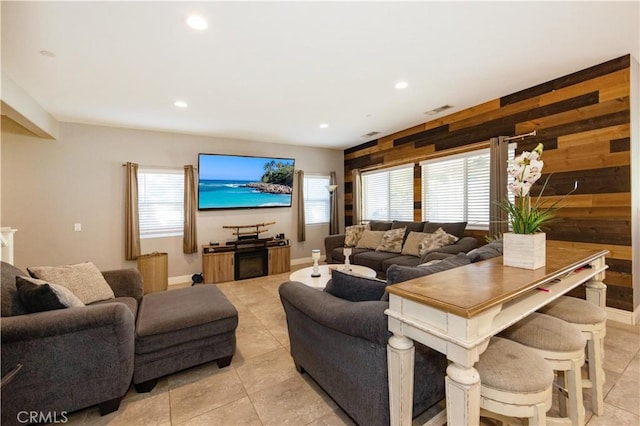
526,251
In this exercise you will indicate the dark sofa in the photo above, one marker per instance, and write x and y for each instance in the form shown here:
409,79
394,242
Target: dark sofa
71,358
380,260
342,345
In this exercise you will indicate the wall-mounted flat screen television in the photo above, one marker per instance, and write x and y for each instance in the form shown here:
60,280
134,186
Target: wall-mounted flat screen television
243,182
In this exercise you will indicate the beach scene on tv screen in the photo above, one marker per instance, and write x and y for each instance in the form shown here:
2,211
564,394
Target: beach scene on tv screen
228,182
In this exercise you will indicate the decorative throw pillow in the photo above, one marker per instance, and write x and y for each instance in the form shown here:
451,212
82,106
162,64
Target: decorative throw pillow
38,296
392,240
410,246
370,239
453,228
352,235
83,279
354,287
435,240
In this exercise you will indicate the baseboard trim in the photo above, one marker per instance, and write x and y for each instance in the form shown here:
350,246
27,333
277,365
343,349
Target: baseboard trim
181,279
304,260
625,317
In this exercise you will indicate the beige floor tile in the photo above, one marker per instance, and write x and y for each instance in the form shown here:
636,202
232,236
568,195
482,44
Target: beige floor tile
220,388
266,370
246,319
614,416
270,314
617,358
335,418
281,334
151,411
291,402
240,412
625,395
255,341
622,336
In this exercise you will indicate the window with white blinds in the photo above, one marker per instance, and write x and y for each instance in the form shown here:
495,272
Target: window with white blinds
456,189
160,202
388,194
317,202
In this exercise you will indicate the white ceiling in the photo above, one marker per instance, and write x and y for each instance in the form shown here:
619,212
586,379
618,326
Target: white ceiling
273,71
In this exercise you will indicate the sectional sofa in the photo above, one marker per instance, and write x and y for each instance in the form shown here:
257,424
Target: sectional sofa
379,258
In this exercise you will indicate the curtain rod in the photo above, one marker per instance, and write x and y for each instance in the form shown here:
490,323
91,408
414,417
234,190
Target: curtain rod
520,136
160,167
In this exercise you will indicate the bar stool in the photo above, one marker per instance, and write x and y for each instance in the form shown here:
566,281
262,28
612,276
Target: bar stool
591,321
514,382
562,346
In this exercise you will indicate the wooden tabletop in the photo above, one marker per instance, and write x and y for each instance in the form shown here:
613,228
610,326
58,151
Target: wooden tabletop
471,289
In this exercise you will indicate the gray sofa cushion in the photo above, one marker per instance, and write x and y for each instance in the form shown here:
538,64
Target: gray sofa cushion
354,287
397,273
487,251
400,260
373,259
380,225
411,226
453,228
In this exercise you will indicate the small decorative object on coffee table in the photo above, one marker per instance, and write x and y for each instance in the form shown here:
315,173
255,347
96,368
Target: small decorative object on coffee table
305,276
315,255
347,253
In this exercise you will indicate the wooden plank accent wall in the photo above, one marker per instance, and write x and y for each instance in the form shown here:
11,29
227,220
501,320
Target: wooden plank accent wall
583,120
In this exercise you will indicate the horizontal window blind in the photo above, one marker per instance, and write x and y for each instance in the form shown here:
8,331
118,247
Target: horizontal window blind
160,202
388,194
457,189
316,199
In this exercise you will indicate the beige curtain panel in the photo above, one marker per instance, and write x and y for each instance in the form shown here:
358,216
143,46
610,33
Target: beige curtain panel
334,224
499,155
131,222
302,231
357,197
190,236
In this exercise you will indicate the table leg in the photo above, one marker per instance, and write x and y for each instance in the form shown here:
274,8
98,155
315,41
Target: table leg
595,289
400,361
462,387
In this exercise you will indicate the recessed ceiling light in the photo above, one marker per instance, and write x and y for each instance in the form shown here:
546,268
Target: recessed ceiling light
180,104
47,53
401,85
324,125
197,22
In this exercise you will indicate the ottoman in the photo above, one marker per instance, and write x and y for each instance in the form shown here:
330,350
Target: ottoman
178,329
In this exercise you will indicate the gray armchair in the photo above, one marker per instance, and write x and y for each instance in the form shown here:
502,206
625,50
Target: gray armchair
71,358
342,345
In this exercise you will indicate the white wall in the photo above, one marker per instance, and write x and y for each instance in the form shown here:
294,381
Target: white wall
47,186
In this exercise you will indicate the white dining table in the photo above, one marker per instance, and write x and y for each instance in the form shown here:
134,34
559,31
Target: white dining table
456,312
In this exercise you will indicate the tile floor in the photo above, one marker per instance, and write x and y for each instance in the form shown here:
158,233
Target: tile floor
262,387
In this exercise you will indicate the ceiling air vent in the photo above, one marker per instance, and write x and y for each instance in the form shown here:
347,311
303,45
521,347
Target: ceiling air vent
438,110
370,134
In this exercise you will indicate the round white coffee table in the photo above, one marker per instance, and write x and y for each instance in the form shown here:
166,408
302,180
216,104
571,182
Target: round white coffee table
304,275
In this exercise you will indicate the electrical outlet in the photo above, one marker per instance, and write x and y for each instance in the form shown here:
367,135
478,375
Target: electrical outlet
77,227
